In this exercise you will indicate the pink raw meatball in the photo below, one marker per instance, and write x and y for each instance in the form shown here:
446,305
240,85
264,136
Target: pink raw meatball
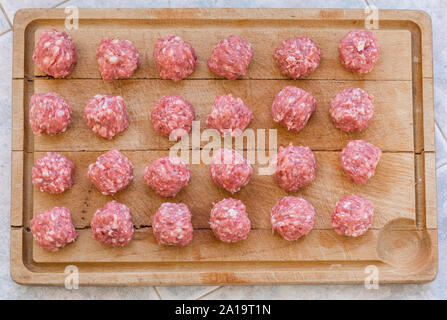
231,57
55,53
352,110
174,57
293,107
49,114
53,229
172,224
292,217
112,224
352,216
172,115
295,167
106,115
111,172
298,57
117,59
359,51
359,160
229,115
167,176
229,220
53,173
230,170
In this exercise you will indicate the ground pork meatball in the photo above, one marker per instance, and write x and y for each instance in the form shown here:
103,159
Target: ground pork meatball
359,51
172,117
295,167
167,176
359,160
174,57
117,59
229,220
352,216
230,170
298,57
292,217
172,224
106,115
112,224
229,115
55,53
352,110
49,114
293,107
111,172
53,229
231,57
53,173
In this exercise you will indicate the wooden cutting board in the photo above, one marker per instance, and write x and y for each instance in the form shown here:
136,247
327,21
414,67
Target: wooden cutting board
401,246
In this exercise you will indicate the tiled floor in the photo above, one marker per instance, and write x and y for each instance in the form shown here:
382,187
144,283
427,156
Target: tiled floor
436,289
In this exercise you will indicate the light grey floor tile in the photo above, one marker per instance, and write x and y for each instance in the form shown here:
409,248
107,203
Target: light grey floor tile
14,291
305,292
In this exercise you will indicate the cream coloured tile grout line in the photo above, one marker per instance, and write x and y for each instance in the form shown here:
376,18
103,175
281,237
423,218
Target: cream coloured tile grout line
5,32
57,5
441,165
157,293
440,130
209,292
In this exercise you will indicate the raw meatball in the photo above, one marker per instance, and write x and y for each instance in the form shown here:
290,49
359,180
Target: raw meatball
292,217
55,53
359,160
298,57
231,57
229,220
167,176
53,173
359,51
111,172
352,216
106,115
230,170
49,113
352,110
53,229
172,114
229,115
295,167
172,224
293,107
174,57
112,224
117,59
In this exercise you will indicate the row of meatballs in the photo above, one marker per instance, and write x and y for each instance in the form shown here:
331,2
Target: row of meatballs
292,217
172,117
55,54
